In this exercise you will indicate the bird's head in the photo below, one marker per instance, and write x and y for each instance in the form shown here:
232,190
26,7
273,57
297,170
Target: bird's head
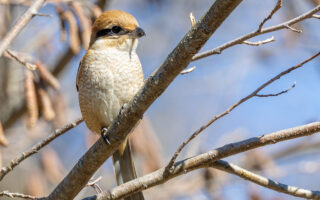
115,29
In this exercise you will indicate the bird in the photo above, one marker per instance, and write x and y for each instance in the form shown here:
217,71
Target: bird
108,77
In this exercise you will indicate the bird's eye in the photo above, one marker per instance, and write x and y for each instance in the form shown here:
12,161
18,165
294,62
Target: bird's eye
116,29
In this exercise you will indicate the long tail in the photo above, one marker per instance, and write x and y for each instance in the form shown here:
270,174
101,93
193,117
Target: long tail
124,167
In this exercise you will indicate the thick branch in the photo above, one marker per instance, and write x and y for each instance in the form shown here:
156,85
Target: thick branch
154,86
243,38
205,160
16,161
23,21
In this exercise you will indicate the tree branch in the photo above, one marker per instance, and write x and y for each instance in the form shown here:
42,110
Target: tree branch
265,182
277,94
274,10
23,21
16,161
154,86
13,195
205,160
253,94
243,38
259,42
13,55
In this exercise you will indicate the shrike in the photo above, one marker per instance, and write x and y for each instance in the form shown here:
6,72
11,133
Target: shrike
108,77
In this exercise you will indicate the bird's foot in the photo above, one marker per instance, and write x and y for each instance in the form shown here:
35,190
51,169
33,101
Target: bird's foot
107,137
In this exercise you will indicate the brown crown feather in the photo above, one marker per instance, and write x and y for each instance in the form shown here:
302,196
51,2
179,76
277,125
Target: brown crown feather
112,18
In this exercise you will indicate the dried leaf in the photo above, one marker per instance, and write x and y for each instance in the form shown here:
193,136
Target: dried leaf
52,165
74,37
31,98
63,32
0,159
47,76
146,144
46,106
3,139
60,108
96,11
36,185
85,24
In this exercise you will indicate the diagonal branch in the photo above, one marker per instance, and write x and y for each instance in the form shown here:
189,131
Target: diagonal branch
253,94
206,160
23,21
265,182
16,161
154,86
243,38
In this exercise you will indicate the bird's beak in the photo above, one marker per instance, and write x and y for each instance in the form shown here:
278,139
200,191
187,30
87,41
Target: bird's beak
137,33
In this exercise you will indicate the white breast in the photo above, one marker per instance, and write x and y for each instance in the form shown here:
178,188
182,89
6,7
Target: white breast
108,79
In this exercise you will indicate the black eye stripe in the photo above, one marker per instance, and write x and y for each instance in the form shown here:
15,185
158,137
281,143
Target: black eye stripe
115,30
103,32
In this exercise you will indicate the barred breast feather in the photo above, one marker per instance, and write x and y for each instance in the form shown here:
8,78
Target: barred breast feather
106,80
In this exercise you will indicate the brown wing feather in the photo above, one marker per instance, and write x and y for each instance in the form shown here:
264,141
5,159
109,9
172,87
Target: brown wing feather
78,76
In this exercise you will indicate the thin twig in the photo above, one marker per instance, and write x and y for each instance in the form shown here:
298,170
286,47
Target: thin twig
277,94
274,10
316,16
263,181
293,29
23,21
186,71
13,55
206,160
16,161
42,15
192,19
19,195
259,42
243,38
253,94
94,184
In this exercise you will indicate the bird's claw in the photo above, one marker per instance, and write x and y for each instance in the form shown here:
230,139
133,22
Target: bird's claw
107,137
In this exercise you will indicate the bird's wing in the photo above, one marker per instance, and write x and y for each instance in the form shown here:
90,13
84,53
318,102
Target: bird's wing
78,76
